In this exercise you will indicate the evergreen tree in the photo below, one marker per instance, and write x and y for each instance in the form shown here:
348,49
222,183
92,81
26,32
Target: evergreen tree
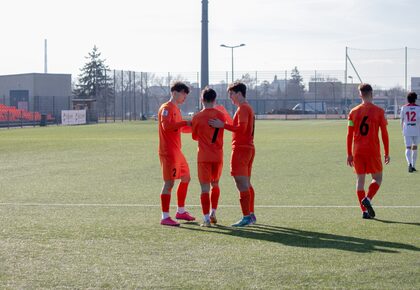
295,86
94,81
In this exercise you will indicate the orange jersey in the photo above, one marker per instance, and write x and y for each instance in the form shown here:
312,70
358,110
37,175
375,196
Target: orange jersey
170,126
243,127
210,140
366,119
222,109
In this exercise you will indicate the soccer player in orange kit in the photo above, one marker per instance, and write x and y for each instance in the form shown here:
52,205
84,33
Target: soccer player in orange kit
172,161
210,154
364,122
243,150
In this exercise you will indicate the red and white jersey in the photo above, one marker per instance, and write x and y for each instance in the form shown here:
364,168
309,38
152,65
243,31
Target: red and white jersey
410,119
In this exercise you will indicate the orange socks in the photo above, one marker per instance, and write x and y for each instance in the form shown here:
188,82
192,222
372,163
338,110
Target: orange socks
373,189
181,193
165,201
215,194
205,203
251,199
244,200
361,194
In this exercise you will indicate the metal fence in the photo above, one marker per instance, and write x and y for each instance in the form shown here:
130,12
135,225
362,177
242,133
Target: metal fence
138,95
133,96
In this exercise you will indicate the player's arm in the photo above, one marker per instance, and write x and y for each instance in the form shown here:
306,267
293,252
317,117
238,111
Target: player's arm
217,123
187,128
402,118
350,134
240,128
218,131
194,129
227,118
169,125
385,140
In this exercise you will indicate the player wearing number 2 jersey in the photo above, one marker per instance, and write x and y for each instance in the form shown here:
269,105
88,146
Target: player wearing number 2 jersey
172,161
364,122
410,124
243,150
210,154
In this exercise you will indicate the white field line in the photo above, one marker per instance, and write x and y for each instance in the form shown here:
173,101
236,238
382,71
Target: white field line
194,205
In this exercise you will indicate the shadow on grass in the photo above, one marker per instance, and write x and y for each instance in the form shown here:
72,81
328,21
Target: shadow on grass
396,222
307,239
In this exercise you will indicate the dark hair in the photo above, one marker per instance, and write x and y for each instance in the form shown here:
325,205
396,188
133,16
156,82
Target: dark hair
365,89
179,87
411,97
238,87
208,94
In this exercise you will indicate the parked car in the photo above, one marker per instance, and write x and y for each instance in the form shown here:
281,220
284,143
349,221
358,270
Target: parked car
310,108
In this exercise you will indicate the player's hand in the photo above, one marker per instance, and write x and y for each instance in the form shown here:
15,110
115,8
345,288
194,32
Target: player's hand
387,159
350,160
216,123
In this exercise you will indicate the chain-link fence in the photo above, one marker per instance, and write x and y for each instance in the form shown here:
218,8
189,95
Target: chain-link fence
41,110
130,96
138,95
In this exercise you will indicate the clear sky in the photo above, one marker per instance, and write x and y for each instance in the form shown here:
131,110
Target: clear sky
165,35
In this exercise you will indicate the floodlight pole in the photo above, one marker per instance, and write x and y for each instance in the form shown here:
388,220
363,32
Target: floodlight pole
406,69
352,89
232,47
204,44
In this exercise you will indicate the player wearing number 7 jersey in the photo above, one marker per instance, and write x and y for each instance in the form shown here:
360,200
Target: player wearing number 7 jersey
364,122
243,150
410,124
210,154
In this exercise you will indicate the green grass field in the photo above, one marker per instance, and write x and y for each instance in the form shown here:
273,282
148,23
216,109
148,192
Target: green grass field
79,208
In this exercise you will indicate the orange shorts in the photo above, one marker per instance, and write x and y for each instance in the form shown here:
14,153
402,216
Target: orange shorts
174,168
241,161
209,171
366,164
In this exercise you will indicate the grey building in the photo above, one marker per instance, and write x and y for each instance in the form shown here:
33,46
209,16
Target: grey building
415,85
37,92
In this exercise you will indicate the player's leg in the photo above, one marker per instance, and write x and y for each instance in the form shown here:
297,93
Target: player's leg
408,152
252,202
360,190
242,184
165,196
205,203
217,168
239,171
182,190
251,191
374,167
214,199
359,163
363,200
373,189
414,153
204,173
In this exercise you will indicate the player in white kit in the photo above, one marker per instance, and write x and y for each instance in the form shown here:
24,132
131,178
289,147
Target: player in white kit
410,124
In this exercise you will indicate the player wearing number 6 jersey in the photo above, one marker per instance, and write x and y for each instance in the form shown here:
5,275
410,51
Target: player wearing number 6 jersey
410,124
243,150
364,122
210,154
